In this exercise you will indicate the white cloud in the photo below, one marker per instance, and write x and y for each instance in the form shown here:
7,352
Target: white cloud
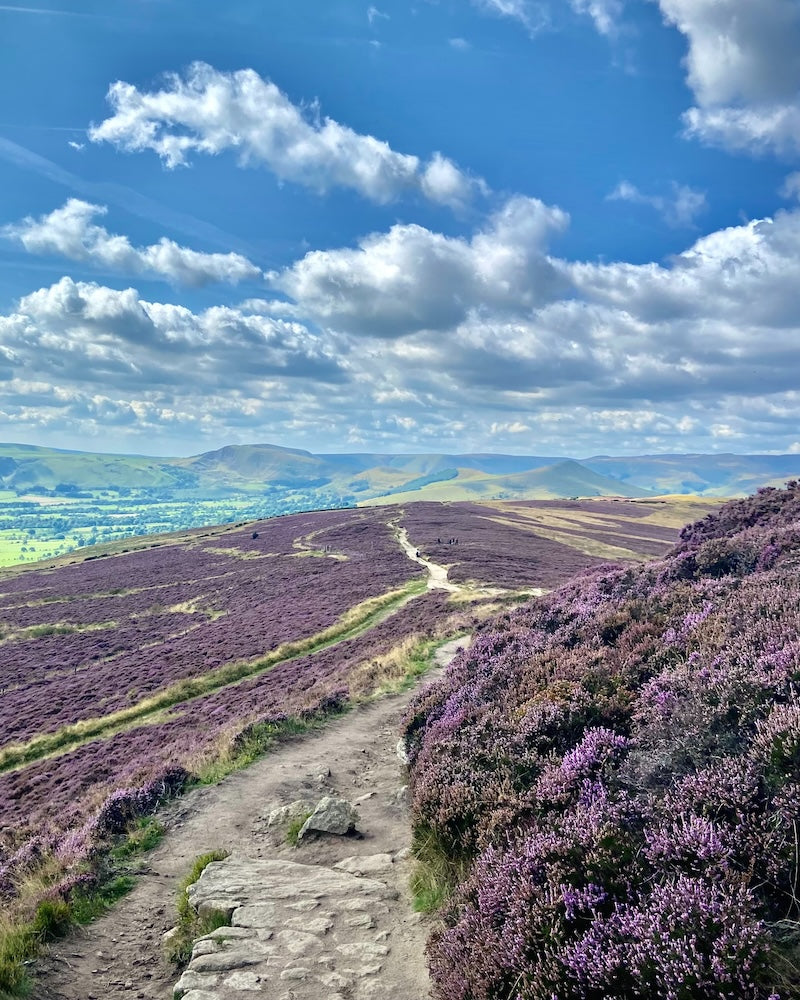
679,210
459,43
743,66
373,14
411,278
510,427
209,111
536,15
70,232
85,334
533,14
791,186
604,13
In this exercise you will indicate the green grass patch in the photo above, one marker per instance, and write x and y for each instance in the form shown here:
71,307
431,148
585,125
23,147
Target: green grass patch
294,828
88,906
437,871
190,925
353,623
146,834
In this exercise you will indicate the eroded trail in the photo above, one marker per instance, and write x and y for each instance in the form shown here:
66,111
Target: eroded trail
437,575
120,956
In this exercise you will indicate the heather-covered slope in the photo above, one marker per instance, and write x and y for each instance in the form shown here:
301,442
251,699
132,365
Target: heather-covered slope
611,775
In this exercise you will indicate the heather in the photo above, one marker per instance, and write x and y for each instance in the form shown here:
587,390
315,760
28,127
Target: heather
179,613
498,544
609,779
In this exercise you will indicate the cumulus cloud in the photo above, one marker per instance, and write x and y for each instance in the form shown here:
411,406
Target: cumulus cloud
208,111
70,232
743,65
82,333
419,338
411,278
678,210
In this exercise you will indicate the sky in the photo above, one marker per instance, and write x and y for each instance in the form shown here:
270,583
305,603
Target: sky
526,226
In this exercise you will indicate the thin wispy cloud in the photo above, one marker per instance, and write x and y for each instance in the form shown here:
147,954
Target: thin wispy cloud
45,10
680,209
122,196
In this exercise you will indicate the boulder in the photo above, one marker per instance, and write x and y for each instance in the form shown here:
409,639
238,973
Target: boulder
331,815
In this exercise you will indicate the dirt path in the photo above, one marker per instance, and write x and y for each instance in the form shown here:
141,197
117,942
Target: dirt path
437,575
354,756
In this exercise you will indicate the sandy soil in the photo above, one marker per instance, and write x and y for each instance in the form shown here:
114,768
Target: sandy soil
120,955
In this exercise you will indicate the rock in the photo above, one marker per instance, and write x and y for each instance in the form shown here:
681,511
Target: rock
284,815
402,751
331,815
246,981
400,797
372,864
300,932
169,936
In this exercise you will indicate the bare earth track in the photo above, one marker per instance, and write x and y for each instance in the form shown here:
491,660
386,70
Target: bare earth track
120,956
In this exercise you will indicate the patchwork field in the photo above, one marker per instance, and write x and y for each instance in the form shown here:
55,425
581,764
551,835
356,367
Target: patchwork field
125,674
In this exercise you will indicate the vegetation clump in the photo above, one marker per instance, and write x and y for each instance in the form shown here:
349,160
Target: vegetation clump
612,777
191,925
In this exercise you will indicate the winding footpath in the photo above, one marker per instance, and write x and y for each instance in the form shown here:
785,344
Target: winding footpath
331,918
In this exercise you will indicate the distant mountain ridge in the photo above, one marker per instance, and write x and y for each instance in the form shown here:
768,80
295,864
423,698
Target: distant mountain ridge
372,477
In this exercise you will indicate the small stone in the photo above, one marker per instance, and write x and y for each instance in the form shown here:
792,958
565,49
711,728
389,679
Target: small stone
168,936
299,972
246,981
285,814
223,962
312,925
362,920
363,950
402,751
203,947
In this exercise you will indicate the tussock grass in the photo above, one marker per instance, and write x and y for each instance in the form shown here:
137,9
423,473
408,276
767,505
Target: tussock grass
190,925
352,623
436,870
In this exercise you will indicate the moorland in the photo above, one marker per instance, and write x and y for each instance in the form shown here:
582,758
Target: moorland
132,671
606,785
53,501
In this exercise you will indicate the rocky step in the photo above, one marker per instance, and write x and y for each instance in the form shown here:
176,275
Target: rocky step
298,931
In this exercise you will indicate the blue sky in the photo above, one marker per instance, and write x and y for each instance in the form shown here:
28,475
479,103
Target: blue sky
567,226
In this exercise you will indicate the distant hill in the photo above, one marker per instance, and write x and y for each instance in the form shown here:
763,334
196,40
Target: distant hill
363,477
712,475
562,479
